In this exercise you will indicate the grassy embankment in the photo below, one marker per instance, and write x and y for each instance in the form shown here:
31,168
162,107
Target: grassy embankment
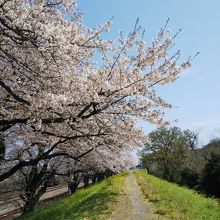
171,201
166,200
92,203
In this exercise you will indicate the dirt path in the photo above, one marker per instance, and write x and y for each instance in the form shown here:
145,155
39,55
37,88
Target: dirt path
131,206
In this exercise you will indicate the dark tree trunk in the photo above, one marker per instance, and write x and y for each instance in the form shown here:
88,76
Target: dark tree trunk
35,186
94,179
29,205
73,186
86,181
32,198
101,176
73,183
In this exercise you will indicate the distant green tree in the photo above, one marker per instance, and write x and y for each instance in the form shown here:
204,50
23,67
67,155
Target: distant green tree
166,151
210,181
212,147
189,177
198,158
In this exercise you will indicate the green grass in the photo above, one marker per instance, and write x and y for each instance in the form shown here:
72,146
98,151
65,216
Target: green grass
91,203
171,201
165,200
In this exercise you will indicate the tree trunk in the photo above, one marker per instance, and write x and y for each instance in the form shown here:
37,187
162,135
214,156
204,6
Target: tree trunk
35,186
29,205
86,181
101,176
72,186
32,197
94,179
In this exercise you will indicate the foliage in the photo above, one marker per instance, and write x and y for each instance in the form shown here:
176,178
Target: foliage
171,154
175,202
189,177
210,181
168,148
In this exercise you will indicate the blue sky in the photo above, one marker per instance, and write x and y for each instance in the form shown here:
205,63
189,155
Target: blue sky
196,93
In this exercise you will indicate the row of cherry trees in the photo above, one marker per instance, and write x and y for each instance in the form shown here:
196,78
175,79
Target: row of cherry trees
70,99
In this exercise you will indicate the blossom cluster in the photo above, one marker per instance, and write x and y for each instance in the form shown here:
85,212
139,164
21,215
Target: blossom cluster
64,87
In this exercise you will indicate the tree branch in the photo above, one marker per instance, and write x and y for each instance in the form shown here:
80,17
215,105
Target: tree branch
9,90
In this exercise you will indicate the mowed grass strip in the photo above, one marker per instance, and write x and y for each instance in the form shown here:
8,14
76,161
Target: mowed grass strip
174,202
91,203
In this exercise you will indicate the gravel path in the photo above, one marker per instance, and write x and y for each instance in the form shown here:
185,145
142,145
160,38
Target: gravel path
131,206
140,210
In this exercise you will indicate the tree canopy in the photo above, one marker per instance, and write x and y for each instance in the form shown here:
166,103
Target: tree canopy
167,148
67,93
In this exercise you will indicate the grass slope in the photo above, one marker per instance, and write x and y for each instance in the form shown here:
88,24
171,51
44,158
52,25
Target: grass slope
97,202
171,201
92,203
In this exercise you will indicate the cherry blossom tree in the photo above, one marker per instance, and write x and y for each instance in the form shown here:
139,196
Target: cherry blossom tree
67,92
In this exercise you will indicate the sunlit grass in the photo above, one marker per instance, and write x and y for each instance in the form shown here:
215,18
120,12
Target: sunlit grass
175,202
167,200
92,203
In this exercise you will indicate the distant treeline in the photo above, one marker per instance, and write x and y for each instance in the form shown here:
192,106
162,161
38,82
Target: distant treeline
172,154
